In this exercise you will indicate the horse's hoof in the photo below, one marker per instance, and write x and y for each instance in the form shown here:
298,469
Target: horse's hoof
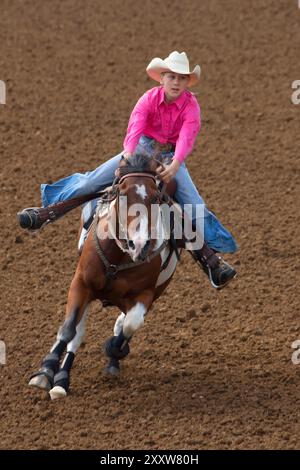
40,381
113,367
112,371
57,392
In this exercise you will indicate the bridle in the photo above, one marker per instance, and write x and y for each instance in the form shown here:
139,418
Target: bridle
114,194
124,240
115,189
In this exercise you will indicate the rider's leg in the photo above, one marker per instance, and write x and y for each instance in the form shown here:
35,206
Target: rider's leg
80,184
216,237
67,188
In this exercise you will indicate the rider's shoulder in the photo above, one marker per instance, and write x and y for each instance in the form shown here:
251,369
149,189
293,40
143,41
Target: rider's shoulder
154,92
150,95
192,102
192,96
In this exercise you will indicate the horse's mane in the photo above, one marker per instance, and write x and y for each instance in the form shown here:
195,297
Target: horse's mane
139,162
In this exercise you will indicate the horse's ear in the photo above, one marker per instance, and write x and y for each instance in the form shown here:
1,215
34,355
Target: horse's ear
156,154
157,163
122,161
154,162
117,173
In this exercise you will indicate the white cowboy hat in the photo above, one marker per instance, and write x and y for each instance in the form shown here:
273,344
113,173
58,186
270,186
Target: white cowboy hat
176,62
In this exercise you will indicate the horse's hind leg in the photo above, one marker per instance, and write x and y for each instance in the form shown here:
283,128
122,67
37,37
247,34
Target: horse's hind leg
113,366
62,377
78,298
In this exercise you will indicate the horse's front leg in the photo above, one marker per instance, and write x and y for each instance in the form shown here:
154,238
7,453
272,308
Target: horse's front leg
78,299
117,347
61,381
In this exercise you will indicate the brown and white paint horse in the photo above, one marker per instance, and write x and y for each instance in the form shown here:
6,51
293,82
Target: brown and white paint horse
130,273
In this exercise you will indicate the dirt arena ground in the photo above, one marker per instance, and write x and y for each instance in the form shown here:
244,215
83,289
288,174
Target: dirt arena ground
209,370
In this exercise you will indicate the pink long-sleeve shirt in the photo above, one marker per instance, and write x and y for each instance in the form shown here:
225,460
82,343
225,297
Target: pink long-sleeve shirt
177,123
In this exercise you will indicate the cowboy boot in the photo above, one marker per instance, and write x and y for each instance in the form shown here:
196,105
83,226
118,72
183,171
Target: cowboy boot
33,218
218,271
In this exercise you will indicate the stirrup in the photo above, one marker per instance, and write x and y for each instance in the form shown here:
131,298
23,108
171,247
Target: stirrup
232,276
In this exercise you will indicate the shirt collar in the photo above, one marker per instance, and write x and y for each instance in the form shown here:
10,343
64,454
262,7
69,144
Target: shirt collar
179,102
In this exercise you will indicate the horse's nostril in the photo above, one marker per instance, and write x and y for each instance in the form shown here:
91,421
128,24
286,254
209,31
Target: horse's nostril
145,250
131,244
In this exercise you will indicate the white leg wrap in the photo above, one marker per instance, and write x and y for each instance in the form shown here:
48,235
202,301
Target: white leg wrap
134,319
119,324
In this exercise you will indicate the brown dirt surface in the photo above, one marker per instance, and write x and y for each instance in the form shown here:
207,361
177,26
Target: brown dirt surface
209,370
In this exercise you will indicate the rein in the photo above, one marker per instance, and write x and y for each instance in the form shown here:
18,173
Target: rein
148,175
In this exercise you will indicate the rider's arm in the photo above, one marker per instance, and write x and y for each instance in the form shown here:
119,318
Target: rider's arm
137,124
188,132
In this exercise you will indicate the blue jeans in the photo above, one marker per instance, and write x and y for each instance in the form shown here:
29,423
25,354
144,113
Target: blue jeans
78,184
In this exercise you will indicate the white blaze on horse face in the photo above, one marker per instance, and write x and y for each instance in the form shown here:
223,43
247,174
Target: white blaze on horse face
134,319
138,231
141,191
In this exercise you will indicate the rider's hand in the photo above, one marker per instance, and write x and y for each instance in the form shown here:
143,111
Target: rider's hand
169,172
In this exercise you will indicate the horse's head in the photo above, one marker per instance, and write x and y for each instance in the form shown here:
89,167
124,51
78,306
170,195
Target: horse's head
137,205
